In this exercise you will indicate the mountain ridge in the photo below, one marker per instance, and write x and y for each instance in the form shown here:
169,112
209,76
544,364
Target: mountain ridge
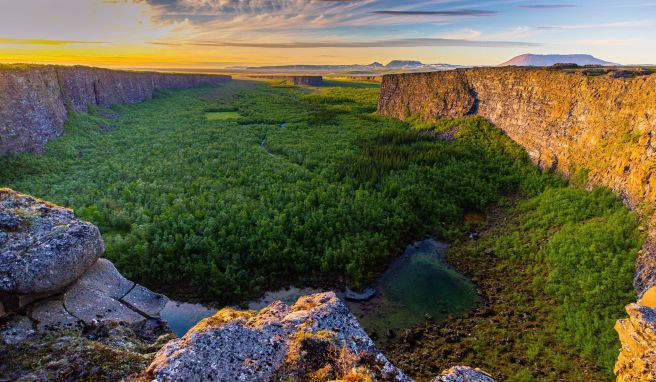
552,59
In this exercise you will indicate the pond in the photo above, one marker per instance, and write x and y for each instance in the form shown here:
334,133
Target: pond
181,316
417,285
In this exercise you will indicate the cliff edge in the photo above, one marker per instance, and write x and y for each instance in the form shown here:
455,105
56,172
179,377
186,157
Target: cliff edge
35,99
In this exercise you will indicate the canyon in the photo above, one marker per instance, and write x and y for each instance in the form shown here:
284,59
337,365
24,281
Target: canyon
596,130
35,99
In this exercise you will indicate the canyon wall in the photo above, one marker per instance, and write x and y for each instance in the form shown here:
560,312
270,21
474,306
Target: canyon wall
598,128
566,121
35,99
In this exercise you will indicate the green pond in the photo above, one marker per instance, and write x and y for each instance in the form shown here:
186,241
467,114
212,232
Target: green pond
417,284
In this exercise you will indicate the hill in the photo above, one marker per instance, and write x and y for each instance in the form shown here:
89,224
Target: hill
551,59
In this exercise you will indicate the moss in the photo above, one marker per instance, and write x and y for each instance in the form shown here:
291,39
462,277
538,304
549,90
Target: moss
222,317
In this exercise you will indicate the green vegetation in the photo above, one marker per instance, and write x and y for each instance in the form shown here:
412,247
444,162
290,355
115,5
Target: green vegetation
310,186
555,272
221,115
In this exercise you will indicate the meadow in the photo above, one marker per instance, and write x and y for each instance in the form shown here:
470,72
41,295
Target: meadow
220,194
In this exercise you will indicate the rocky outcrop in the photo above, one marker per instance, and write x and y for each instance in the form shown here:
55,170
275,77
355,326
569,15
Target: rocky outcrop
52,277
637,360
296,80
35,99
315,339
601,128
463,374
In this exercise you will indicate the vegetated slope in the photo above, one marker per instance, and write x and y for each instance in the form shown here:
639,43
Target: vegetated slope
552,59
35,99
197,205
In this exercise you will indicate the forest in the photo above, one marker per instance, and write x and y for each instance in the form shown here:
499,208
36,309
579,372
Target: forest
309,186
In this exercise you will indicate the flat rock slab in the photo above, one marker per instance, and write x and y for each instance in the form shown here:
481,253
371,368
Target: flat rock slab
51,315
43,247
90,305
104,277
17,329
145,301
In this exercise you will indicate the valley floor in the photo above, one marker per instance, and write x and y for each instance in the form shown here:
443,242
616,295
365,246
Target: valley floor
220,194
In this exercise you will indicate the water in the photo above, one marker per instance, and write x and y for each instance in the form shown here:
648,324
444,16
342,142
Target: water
287,295
416,284
181,316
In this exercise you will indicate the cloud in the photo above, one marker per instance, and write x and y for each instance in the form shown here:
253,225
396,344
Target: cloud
397,43
462,12
547,6
29,41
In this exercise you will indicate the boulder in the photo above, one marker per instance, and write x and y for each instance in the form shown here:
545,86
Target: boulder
44,247
317,338
463,374
637,360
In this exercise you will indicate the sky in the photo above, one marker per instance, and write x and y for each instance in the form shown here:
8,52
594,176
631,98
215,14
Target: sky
209,34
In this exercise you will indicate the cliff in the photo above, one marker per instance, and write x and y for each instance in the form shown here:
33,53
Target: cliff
600,129
35,99
566,121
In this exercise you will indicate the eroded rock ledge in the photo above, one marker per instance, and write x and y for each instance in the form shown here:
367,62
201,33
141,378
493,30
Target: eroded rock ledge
34,98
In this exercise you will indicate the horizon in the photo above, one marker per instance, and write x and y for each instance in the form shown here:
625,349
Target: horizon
219,34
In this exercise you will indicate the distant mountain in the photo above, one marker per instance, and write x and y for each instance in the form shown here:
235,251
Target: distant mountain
375,68
551,59
400,64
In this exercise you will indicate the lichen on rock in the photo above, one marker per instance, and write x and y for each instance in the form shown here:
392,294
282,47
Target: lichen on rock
315,339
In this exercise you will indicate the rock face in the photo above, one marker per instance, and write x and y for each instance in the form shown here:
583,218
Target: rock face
315,338
34,98
637,360
52,276
601,127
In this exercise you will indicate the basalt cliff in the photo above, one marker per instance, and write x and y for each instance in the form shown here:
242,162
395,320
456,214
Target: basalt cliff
35,99
598,129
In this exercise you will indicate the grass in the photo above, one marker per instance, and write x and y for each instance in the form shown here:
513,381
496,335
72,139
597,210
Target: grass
195,207
222,115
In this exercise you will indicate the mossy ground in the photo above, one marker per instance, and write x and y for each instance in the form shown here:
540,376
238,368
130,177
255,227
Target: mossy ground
523,330
106,353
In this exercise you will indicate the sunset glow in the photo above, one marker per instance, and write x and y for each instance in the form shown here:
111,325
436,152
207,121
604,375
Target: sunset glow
225,33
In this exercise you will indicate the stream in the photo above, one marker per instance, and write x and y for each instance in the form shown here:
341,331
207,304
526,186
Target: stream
417,286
